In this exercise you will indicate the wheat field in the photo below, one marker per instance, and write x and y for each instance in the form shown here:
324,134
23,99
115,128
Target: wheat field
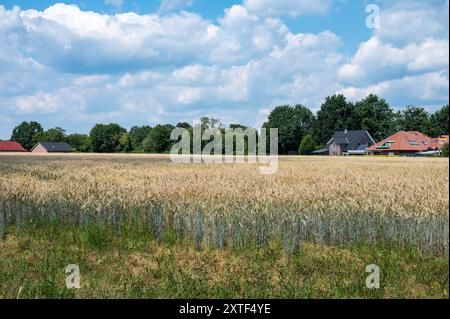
319,200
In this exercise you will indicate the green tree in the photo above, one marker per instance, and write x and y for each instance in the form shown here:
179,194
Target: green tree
208,122
137,135
158,140
79,142
439,122
375,116
334,114
56,134
307,146
292,124
125,143
184,125
106,138
25,133
445,150
415,118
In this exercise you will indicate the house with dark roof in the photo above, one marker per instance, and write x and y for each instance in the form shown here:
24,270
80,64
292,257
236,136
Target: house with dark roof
347,143
52,147
408,143
9,146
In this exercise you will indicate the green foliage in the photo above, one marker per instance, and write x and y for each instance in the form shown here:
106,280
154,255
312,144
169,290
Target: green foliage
335,114
56,134
439,122
79,142
185,125
25,133
415,118
106,138
158,140
125,143
137,135
292,124
375,116
307,146
445,150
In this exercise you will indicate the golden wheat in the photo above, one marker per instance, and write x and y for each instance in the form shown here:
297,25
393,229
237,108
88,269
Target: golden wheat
319,199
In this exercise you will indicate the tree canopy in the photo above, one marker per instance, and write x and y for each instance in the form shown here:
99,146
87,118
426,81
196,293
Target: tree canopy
25,132
292,123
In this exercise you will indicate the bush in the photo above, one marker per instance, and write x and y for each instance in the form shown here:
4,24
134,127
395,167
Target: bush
307,145
445,150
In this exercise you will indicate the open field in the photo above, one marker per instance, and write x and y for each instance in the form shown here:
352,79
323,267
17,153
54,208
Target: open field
141,226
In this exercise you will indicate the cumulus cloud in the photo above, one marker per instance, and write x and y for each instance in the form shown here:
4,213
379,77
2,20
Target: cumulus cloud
72,68
408,56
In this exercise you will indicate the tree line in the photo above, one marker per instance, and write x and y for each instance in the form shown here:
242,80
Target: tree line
299,129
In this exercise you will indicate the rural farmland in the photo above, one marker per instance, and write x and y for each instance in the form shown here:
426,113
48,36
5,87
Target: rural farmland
142,226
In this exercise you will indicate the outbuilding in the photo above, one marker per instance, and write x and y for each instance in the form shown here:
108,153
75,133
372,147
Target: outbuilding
10,146
52,147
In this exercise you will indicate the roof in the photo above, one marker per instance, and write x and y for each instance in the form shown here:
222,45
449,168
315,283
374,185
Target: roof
406,141
351,139
439,142
9,146
57,147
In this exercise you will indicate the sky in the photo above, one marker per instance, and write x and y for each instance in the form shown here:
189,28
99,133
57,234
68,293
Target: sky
72,64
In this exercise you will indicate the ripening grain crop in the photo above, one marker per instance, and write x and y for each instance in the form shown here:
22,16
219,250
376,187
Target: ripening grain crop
332,201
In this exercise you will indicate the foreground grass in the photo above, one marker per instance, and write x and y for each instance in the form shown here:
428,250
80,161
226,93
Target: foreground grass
133,265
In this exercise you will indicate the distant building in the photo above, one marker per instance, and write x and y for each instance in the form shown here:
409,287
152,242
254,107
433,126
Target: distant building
52,147
9,146
408,143
347,143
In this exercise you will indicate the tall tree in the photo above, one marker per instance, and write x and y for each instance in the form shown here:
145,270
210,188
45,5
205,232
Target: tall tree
334,114
56,134
375,116
137,135
439,122
106,138
79,142
25,132
415,118
292,124
158,140
184,125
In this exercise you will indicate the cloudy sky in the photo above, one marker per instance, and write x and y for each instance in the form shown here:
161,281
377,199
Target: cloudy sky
76,63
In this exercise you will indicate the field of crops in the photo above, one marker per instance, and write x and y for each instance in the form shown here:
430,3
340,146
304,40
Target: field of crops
328,202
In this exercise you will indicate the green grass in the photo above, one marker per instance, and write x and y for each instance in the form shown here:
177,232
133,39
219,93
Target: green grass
134,265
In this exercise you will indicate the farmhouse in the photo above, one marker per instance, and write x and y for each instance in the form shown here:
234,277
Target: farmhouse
9,146
406,143
52,147
347,143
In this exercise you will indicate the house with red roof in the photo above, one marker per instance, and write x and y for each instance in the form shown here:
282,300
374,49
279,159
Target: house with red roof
404,143
9,146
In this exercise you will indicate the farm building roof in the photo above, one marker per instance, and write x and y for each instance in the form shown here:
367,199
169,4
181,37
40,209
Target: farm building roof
57,147
407,141
351,139
9,146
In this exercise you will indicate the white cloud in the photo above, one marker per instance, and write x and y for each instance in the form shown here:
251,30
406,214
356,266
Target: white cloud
72,68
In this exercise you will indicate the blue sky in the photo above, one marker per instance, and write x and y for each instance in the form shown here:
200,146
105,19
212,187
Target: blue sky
76,63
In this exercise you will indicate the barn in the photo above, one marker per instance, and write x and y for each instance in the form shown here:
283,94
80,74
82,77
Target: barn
9,146
52,147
